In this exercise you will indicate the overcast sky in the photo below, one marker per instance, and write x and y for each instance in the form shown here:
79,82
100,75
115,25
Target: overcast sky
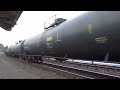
31,23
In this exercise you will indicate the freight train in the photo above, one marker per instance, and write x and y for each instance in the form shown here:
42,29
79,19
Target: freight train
94,35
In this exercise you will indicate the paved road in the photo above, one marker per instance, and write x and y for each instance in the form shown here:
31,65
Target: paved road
11,68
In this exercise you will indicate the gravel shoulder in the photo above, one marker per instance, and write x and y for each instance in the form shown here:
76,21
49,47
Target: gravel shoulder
11,68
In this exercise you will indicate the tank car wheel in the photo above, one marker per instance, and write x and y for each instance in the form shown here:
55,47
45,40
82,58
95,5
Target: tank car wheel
31,59
28,58
40,59
23,58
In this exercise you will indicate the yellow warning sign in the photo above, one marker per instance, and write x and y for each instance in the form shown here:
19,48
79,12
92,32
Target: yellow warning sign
49,38
90,28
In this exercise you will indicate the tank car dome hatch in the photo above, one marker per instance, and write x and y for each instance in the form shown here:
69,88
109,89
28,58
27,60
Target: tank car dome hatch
56,23
60,20
8,19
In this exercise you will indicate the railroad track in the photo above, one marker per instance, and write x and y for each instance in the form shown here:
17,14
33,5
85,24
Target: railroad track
85,74
98,68
75,72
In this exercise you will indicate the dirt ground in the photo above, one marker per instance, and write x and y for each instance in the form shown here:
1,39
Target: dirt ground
12,68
